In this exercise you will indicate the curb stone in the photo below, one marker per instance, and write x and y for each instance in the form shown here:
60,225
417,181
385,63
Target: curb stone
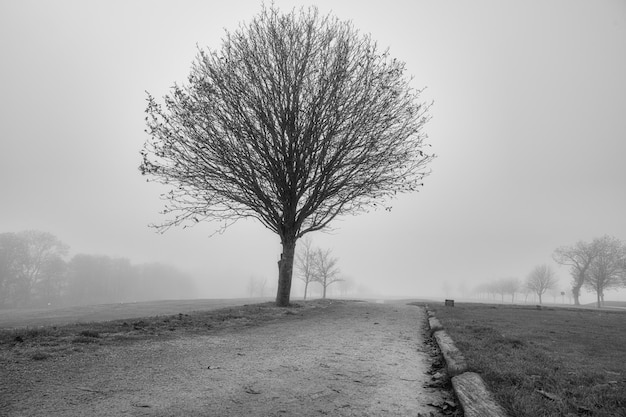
475,399
434,325
455,361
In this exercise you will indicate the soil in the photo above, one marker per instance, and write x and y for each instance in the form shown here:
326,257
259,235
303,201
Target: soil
334,358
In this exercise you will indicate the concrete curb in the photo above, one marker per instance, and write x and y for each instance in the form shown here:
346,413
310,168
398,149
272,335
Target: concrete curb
475,399
455,361
434,325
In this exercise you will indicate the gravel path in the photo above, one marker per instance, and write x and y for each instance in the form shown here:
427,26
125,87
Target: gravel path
339,359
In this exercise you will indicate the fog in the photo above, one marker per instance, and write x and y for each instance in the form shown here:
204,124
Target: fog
527,124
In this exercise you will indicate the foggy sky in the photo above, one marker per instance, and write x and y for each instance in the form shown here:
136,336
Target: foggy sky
528,122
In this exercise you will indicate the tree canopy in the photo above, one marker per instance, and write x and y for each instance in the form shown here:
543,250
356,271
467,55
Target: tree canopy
598,265
296,119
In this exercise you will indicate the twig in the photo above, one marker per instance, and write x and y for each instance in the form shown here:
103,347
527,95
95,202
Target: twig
90,390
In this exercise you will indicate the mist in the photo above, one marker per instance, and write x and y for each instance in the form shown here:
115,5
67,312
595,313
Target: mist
527,124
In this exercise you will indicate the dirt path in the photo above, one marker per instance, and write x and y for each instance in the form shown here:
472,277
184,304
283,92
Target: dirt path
340,359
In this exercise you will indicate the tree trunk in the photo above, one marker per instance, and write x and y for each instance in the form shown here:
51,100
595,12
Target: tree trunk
576,293
539,298
306,285
599,303
285,272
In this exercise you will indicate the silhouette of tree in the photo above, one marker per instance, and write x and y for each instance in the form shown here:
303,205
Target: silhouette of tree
541,279
578,257
326,270
297,119
305,262
606,271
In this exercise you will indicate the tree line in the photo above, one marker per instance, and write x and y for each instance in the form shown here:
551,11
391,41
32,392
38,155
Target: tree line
596,266
541,280
35,271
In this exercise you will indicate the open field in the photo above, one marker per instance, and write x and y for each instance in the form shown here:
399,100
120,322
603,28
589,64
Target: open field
547,361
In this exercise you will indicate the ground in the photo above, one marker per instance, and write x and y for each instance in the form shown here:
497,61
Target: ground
323,358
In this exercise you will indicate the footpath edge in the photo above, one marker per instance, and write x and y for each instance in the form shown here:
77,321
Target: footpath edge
474,397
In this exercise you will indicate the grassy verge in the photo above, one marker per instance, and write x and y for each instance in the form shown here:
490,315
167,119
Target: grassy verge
544,362
41,343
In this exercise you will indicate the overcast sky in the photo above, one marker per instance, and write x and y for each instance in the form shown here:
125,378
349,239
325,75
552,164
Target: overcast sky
528,122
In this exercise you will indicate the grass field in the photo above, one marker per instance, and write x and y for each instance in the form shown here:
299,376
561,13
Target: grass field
54,316
544,362
44,342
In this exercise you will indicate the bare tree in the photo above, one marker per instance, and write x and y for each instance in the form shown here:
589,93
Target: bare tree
502,287
13,257
346,285
499,287
52,281
510,286
541,279
326,270
297,119
43,249
578,257
607,268
482,290
30,257
525,291
305,262
554,292
256,287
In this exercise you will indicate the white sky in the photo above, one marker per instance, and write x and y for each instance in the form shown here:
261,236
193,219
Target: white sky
529,125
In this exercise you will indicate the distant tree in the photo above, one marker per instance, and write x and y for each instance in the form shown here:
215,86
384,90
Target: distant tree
256,286
52,282
43,249
160,281
541,279
326,270
346,285
124,281
554,292
499,287
510,286
13,257
26,259
525,291
89,279
579,258
296,120
492,289
481,290
305,260
97,279
607,268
